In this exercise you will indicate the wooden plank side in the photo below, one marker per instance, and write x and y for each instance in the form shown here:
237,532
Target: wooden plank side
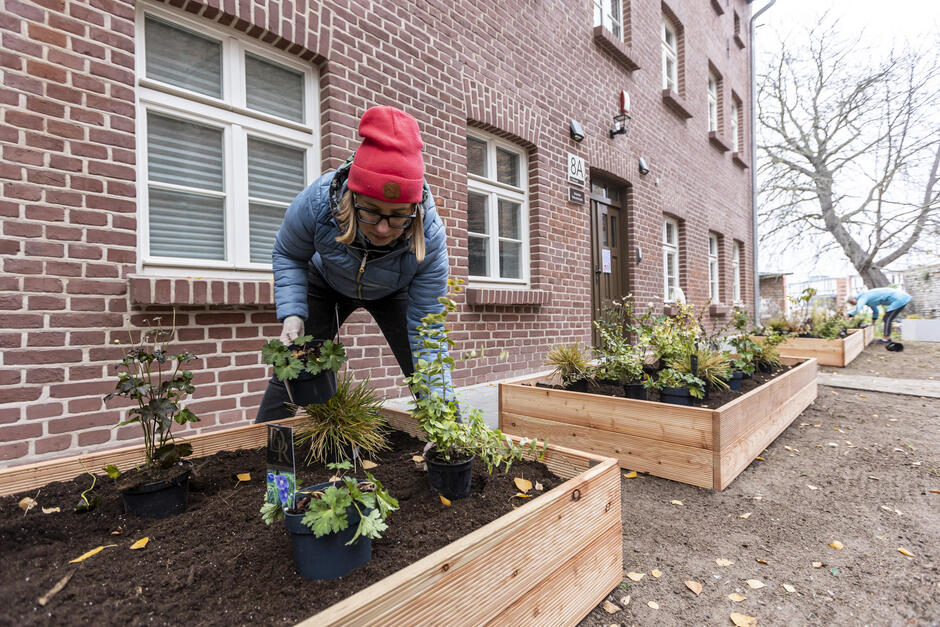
572,591
504,559
826,352
854,344
741,415
736,456
689,426
663,459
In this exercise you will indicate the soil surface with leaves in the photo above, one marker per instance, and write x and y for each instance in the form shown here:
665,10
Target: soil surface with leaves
218,563
838,524
918,360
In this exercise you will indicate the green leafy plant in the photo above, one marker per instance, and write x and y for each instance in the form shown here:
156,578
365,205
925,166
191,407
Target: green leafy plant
670,378
352,417
619,357
570,362
713,367
304,355
435,401
155,380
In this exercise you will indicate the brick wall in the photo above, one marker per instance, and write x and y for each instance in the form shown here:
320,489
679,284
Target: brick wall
72,282
923,284
773,297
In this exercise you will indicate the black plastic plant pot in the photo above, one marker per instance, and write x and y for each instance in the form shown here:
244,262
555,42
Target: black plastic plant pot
158,499
636,391
735,382
675,396
577,386
450,480
763,366
327,557
613,382
308,388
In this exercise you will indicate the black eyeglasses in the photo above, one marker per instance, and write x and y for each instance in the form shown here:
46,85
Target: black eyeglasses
370,216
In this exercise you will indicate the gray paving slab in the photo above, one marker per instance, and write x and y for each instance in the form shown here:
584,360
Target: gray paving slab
910,387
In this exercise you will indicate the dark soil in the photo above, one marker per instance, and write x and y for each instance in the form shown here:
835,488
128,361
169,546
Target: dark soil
874,491
716,398
217,563
919,360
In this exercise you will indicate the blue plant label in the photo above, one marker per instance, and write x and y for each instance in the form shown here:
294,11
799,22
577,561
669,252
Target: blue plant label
281,476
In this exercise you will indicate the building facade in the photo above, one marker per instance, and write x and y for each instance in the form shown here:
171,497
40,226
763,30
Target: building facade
149,150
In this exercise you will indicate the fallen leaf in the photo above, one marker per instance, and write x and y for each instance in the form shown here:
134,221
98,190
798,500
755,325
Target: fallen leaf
55,589
737,598
694,586
50,510
758,498
723,562
26,503
610,608
760,459
755,584
243,476
653,604
140,543
94,551
625,600
745,515
742,620
656,573
369,465
760,561
874,478
676,502
520,495
791,449
812,487
833,444
817,564
935,491
838,546
334,478
445,500
789,588
904,551
417,459
835,571
538,486
636,576
630,475
524,485
862,396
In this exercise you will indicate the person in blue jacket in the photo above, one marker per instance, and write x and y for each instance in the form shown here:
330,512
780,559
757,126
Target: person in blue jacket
365,235
893,300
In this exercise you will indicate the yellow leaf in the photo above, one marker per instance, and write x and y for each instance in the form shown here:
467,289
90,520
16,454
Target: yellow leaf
367,465
630,475
94,551
723,562
520,495
653,604
904,551
817,564
610,608
838,546
694,586
676,502
417,459
140,543
812,487
791,449
524,485
745,515
27,503
755,584
933,491
760,561
625,600
445,500
742,620
539,486
50,510
636,576
243,476
656,573
789,588
737,598
760,459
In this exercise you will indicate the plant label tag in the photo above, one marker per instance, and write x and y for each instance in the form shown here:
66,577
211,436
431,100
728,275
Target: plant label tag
281,475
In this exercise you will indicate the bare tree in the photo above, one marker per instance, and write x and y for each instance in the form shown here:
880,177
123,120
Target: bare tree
849,150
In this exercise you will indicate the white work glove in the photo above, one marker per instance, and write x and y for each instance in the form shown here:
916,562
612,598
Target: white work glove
293,327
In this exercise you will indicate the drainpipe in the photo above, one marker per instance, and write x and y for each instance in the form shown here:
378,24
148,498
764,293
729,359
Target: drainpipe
754,158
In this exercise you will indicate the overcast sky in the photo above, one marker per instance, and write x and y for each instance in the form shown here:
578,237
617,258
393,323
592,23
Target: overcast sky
883,25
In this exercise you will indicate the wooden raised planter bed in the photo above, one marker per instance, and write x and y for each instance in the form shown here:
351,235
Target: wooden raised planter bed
704,447
551,561
839,352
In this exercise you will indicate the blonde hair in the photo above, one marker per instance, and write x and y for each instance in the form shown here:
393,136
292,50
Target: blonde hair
349,226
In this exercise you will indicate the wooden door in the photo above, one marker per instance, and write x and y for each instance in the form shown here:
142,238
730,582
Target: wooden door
608,249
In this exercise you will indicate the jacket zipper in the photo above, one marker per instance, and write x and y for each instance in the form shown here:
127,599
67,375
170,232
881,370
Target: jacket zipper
362,268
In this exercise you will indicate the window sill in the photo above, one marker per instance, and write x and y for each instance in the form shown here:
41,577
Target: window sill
147,290
621,52
718,310
738,160
478,296
716,4
672,100
738,41
718,141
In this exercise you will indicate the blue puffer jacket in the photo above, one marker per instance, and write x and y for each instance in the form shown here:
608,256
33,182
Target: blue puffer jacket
308,236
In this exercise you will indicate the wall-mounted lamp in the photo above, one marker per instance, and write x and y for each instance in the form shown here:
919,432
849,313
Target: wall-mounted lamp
575,131
644,169
620,120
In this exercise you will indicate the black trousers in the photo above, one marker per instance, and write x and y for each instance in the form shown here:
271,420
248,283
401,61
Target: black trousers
889,320
327,309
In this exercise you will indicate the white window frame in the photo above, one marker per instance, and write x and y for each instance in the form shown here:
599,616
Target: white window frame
670,54
714,269
604,15
735,141
736,272
238,123
494,190
712,102
670,259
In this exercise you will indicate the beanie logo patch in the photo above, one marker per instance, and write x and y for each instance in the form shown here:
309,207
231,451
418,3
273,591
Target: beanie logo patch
391,190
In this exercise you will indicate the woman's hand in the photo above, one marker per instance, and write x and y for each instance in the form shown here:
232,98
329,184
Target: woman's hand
293,327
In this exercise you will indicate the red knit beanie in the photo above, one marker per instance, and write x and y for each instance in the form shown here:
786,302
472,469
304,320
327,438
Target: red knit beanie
388,165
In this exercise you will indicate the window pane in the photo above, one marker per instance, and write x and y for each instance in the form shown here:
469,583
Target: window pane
186,225
479,259
183,58
275,172
509,219
476,156
184,153
274,89
509,260
263,223
476,213
507,167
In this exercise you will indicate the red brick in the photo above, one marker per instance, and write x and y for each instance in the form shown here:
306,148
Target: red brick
25,10
22,155
21,395
46,338
20,321
46,71
83,251
10,377
69,60
62,162
83,421
45,213
23,191
62,23
58,197
87,338
63,233
10,302
113,238
47,35
19,265
13,451
37,284
21,229
43,410
46,303
82,373
44,249
9,415
84,320
52,444
66,94
87,304
44,375
63,268
98,436
65,129
84,286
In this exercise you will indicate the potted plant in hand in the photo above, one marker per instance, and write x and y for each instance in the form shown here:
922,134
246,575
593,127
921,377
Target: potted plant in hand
155,380
300,366
332,524
571,364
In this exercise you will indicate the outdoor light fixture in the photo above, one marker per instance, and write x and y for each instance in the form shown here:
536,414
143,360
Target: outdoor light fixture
575,131
620,120
644,169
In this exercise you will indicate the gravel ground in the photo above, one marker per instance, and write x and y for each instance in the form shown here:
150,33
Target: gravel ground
919,360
